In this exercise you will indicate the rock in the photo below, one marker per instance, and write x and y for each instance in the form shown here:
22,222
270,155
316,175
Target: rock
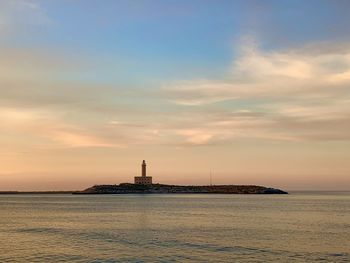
126,188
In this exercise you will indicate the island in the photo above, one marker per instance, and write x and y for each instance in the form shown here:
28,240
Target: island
144,185
128,188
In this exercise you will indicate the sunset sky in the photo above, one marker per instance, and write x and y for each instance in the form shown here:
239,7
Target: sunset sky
258,92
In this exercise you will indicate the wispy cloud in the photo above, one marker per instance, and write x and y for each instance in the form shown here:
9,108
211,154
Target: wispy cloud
292,94
271,74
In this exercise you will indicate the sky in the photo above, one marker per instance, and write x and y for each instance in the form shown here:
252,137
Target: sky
253,92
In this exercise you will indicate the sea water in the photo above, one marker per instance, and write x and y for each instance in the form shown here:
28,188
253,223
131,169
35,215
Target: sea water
300,227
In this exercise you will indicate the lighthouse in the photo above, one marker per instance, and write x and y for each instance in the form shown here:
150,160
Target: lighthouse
143,179
143,168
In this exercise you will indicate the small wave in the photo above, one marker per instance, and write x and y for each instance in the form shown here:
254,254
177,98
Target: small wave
39,230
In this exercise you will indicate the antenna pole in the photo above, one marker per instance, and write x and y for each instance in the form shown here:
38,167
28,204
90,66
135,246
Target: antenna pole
210,179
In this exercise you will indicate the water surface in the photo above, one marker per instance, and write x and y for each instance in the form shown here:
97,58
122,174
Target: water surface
301,227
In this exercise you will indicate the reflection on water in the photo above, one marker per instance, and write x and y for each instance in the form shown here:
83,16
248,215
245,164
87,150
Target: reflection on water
175,228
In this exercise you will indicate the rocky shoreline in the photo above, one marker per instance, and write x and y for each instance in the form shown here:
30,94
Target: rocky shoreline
127,188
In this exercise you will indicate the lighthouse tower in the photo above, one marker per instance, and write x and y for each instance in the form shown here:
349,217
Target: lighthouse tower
143,179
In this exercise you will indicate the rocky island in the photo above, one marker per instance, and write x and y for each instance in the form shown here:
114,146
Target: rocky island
144,185
127,188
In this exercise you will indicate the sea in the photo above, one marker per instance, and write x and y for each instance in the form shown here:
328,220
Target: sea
299,227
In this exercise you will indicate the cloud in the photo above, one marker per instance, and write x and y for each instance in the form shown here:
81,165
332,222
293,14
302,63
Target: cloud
77,138
196,136
38,101
289,95
49,126
295,94
256,73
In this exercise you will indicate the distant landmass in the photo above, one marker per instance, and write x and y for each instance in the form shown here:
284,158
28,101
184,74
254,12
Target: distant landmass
34,192
144,185
127,188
